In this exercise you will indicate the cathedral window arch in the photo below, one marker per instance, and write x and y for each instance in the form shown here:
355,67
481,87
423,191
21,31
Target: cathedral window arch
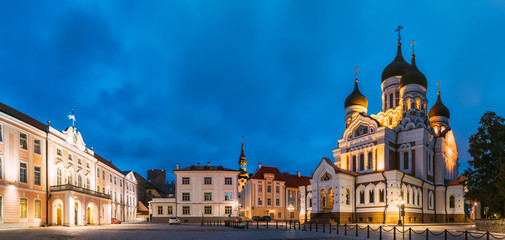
397,98
362,197
362,162
419,194
323,197
370,160
451,201
354,163
407,103
391,100
381,195
430,201
409,193
371,196
418,104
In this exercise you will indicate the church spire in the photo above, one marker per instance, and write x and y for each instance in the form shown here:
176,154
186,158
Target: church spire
242,162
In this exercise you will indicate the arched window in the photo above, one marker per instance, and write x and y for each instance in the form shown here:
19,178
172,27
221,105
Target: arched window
385,102
79,180
405,160
370,160
354,163
407,103
88,183
408,196
310,202
362,197
430,196
70,177
397,98
58,176
391,100
371,196
381,195
419,198
418,104
362,162
348,196
451,202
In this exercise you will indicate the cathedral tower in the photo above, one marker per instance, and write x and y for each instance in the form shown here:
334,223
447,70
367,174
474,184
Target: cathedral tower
354,104
243,175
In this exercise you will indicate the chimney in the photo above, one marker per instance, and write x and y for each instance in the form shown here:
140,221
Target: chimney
198,164
298,173
177,166
208,163
259,165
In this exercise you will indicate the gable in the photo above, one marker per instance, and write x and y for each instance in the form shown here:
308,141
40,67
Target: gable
362,126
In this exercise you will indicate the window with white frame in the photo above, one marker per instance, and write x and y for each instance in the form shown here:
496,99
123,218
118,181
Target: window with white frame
58,152
87,166
70,157
79,180
185,210
207,196
170,210
160,210
228,181
207,180
1,168
36,179
370,161
23,208
79,161
38,208
277,202
228,196
185,196
269,202
430,202
58,176
227,210
23,175
23,141
36,146
208,210
185,181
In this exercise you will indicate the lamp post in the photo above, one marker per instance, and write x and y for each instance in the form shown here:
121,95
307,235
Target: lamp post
401,210
291,209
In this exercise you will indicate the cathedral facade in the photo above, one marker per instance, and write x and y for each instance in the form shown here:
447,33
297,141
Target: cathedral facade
402,157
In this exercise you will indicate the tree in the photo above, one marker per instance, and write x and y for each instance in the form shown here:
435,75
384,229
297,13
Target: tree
485,178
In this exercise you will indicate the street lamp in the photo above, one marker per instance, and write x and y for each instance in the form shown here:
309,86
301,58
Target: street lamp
401,210
291,209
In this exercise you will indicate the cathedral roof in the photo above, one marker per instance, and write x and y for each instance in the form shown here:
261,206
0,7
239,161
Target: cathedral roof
413,76
356,98
439,109
396,68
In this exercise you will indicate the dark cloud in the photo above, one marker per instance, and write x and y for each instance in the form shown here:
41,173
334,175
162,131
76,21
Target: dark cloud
160,83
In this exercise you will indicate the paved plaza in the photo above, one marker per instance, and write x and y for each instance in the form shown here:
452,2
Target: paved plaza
165,231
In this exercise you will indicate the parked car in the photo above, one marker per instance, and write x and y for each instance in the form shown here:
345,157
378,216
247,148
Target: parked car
174,220
266,218
256,218
115,221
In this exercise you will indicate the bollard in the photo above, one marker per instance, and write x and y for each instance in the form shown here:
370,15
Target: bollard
267,224
487,235
380,232
427,234
285,224
345,229
356,230
299,225
466,234
394,233
367,231
310,225
257,224
445,234
337,228
329,227
276,224
410,233
323,228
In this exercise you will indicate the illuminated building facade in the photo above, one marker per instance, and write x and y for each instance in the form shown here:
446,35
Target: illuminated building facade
404,154
268,192
51,177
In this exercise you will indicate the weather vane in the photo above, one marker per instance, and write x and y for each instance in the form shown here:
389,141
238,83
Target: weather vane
356,72
438,84
398,29
242,138
413,43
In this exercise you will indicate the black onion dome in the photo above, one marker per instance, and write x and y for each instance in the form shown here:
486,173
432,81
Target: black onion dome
356,98
413,76
439,109
396,68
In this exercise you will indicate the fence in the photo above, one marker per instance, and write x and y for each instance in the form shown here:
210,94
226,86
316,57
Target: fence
350,230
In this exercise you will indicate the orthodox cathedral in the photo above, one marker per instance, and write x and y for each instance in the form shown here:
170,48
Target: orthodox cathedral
404,157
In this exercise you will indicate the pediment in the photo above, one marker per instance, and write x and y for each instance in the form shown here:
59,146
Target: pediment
360,127
72,136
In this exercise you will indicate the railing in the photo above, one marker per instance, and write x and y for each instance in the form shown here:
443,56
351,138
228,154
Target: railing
70,187
353,229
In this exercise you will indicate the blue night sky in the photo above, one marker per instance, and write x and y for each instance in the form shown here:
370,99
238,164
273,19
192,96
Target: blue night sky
155,83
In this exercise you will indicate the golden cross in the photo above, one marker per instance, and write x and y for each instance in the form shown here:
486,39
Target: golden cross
413,43
398,29
356,72
438,84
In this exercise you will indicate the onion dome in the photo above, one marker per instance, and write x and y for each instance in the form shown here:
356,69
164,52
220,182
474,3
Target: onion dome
439,109
356,98
413,76
396,68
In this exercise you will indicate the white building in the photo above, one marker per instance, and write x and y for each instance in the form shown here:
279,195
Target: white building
404,154
202,193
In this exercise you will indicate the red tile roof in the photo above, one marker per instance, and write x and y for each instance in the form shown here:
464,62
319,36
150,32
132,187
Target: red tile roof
101,159
21,116
259,174
295,181
457,181
340,170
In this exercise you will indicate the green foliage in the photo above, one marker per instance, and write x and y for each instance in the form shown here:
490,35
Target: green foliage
486,175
